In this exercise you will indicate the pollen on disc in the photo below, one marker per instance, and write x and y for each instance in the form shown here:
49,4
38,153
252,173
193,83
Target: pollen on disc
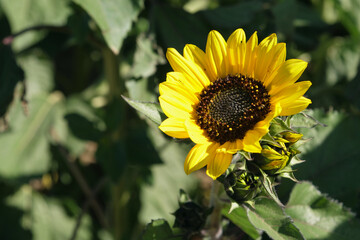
231,106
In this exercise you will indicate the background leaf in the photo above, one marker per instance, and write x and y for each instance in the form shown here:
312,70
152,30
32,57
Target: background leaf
10,75
327,156
320,217
45,217
113,17
27,138
239,217
157,230
267,215
150,110
29,13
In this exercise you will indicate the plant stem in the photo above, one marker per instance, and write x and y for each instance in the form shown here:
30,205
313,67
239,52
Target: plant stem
84,186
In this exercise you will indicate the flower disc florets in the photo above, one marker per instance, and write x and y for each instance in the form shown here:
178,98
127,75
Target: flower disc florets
231,106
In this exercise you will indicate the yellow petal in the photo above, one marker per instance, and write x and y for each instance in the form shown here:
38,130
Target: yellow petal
179,92
250,56
216,55
265,55
192,72
179,78
174,127
231,147
196,55
199,156
174,109
291,93
275,111
196,134
252,138
218,165
236,50
291,108
279,56
251,142
287,74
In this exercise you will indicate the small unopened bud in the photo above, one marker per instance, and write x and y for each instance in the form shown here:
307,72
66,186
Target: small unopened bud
272,158
241,185
190,215
292,137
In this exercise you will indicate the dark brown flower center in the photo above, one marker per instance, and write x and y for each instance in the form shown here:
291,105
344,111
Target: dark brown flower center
231,106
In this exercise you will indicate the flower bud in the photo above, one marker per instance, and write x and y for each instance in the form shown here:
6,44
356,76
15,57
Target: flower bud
291,137
276,156
241,185
190,216
273,158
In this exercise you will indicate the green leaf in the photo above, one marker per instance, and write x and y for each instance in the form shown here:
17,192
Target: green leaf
158,230
233,16
239,217
343,59
304,120
269,188
348,12
145,58
149,109
270,217
46,218
160,198
285,14
332,156
113,17
11,223
23,14
10,75
278,126
39,74
172,25
320,217
25,147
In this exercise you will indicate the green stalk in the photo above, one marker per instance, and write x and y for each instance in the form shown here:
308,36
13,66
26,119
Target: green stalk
119,190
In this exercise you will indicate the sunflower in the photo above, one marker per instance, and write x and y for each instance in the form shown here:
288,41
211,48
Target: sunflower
224,99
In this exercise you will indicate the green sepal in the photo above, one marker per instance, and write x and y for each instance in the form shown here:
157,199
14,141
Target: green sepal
278,126
268,186
241,185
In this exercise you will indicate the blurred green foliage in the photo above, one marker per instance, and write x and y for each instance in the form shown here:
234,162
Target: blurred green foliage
78,162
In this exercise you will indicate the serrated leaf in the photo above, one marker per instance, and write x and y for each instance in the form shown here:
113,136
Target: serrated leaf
239,217
268,138
149,109
320,217
25,146
10,75
304,120
332,155
278,126
113,17
23,14
270,217
268,187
